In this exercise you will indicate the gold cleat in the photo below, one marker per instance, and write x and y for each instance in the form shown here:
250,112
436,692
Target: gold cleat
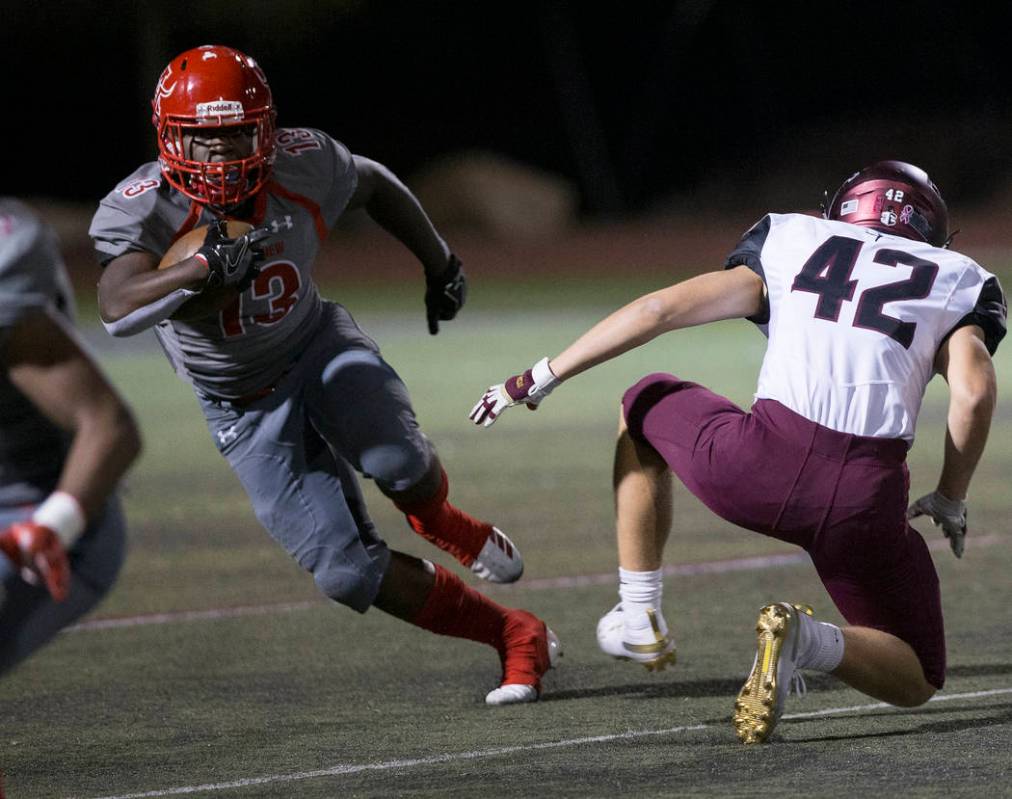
655,656
760,701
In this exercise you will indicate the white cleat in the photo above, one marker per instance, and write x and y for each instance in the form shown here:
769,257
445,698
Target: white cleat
761,700
517,693
512,695
499,560
653,647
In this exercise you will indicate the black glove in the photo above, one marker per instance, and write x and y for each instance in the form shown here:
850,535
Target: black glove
231,262
445,294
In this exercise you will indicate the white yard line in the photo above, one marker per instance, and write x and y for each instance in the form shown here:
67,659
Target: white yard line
192,615
480,754
547,583
757,563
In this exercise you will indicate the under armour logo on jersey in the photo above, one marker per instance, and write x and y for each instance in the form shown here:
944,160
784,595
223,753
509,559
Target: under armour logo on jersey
228,436
278,224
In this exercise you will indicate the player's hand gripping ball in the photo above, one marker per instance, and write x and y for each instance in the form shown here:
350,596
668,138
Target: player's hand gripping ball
233,253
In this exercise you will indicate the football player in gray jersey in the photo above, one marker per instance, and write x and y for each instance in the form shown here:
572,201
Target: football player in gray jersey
862,309
297,398
66,438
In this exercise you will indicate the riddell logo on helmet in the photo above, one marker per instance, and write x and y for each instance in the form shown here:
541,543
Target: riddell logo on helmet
227,110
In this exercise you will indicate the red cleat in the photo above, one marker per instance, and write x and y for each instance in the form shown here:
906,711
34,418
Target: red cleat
528,650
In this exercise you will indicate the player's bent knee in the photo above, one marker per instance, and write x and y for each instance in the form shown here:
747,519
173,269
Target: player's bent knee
395,467
915,695
347,586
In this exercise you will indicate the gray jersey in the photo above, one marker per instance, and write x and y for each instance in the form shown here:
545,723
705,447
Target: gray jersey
32,277
254,341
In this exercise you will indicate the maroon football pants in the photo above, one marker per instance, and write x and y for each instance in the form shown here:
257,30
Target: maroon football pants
841,497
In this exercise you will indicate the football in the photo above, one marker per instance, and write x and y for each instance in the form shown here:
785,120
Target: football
211,300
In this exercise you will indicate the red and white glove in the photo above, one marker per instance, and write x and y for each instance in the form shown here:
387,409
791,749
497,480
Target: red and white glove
530,389
949,514
37,551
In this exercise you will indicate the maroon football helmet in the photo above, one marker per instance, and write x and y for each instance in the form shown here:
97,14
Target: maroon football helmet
894,197
214,87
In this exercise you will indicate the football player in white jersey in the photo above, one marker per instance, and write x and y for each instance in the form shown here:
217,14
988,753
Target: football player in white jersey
861,309
66,438
296,396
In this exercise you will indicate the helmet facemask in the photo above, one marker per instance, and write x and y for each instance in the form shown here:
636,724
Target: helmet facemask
217,183
214,88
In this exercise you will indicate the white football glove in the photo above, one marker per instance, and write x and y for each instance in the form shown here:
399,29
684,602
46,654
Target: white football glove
949,514
529,389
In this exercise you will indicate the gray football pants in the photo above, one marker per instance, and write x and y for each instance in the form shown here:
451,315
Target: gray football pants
295,450
29,617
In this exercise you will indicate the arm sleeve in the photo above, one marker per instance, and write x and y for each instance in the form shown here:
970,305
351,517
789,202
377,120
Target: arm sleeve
748,252
990,313
148,315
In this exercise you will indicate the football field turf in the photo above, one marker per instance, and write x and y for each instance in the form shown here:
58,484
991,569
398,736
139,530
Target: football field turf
214,669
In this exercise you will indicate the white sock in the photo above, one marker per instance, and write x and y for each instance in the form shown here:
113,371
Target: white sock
820,647
639,592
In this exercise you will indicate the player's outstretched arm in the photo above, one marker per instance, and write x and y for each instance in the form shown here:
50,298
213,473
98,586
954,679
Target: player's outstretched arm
394,208
705,298
46,362
964,362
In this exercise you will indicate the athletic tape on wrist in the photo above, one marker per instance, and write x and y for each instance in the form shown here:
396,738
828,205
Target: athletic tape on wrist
544,378
62,514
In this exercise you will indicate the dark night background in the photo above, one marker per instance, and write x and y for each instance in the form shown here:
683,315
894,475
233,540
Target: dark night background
643,106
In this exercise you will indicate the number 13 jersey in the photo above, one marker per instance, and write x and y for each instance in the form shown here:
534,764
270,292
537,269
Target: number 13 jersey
855,317
251,343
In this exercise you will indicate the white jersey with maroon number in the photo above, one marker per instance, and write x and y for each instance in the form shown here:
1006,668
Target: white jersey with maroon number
855,318
251,343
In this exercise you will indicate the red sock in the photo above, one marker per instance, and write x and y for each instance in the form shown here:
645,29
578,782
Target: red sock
455,609
449,528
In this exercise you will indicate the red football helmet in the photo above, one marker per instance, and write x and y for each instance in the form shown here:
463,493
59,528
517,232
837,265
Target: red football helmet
894,197
213,87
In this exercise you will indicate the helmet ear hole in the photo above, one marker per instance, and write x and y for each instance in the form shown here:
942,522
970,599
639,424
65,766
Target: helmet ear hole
211,87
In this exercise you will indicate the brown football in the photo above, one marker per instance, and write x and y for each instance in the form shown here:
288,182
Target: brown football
210,300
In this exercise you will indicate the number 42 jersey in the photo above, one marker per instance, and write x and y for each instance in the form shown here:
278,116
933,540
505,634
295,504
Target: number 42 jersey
855,317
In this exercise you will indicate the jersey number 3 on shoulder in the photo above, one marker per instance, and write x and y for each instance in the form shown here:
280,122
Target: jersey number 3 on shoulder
827,273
